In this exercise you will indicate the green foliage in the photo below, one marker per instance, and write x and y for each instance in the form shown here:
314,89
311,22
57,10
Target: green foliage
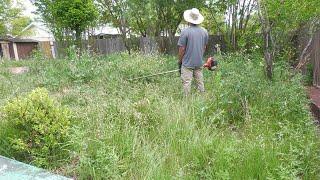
11,19
285,24
280,13
147,17
68,16
171,12
146,129
71,53
37,55
236,20
308,77
5,5
76,15
18,26
36,129
82,70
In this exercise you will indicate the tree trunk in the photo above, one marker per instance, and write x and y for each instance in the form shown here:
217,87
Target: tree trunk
123,29
303,59
268,57
78,42
303,56
268,46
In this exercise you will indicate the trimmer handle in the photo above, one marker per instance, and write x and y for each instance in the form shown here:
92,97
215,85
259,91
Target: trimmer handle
180,66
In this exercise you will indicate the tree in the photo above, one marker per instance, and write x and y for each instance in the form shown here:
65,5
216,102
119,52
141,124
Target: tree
170,12
279,25
12,22
147,17
76,16
285,23
4,4
142,18
232,19
116,13
18,25
65,16
267,38
158,17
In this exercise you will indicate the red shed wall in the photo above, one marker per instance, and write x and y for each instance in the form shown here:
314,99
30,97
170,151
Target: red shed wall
25,49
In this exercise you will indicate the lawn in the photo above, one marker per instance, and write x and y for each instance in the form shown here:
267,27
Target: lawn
243,127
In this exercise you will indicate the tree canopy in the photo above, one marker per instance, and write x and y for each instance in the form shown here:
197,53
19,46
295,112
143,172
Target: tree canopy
12,22
244,24
68,16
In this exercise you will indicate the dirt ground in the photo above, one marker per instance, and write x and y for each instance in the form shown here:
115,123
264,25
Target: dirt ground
18,70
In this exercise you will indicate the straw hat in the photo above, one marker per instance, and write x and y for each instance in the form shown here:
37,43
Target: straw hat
193,16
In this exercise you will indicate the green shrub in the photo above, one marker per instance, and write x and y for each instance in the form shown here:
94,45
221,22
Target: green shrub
36,128
83,70
38,55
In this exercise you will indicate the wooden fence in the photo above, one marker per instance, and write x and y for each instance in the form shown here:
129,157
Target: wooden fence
109,46
316,60
314,51
148,45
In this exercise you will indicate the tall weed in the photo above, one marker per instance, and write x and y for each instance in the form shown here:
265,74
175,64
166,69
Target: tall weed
243,127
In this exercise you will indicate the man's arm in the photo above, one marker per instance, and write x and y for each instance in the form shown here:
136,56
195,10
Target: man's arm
182,51
182,43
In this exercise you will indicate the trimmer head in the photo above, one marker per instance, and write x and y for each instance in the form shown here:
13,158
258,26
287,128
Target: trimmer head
211,64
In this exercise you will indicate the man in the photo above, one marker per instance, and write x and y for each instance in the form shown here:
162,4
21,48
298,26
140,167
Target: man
192,44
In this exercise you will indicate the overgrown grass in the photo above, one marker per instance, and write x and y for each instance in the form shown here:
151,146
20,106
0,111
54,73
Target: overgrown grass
243,127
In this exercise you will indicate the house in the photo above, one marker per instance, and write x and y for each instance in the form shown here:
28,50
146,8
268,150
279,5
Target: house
15,48
39,32
106,32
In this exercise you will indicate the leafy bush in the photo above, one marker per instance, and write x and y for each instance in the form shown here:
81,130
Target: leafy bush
36,128
37,55
83,70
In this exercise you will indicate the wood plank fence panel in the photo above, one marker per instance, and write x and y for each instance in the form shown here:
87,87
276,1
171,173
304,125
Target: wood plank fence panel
169,46
316,60
314,51
145,45
108,46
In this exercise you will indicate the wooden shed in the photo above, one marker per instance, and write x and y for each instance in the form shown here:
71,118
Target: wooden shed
13,48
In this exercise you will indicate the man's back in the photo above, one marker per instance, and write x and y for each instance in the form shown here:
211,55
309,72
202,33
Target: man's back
194,39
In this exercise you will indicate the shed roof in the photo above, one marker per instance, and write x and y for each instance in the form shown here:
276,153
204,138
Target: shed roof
18,40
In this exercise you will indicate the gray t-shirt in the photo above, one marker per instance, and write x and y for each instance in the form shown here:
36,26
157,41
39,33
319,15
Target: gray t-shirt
195,39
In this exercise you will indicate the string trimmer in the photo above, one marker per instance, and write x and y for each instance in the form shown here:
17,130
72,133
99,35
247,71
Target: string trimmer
211,65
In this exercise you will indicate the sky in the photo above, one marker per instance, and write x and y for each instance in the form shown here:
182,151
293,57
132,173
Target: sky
28,7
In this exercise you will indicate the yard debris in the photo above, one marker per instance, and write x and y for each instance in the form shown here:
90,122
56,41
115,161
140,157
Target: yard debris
18,70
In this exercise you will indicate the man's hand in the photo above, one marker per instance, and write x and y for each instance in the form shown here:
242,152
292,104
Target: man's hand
182,51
